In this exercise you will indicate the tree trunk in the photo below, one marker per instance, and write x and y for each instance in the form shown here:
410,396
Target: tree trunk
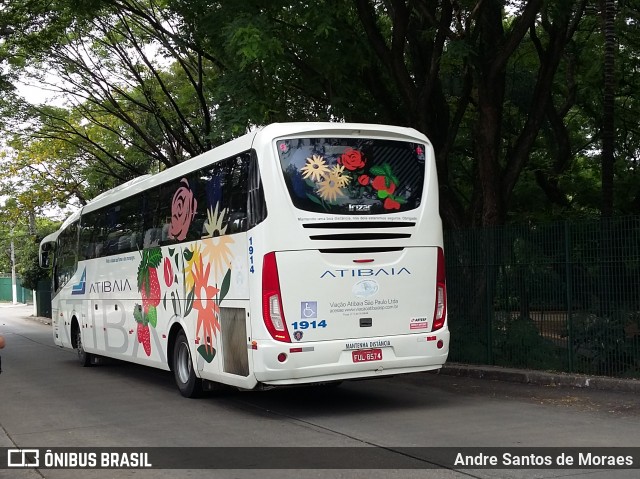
490,79
608,126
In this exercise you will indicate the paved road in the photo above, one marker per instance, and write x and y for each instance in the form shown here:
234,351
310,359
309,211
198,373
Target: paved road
48,400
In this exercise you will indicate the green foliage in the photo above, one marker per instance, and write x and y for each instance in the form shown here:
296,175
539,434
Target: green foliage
151,83
518,343
27,266
15,228
602,345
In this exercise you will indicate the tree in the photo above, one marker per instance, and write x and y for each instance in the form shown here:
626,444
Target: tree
497,87
135,101
608,125
112,68
405,52
24,231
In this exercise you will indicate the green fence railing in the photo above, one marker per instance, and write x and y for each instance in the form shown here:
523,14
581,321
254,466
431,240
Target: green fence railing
23,295
561,296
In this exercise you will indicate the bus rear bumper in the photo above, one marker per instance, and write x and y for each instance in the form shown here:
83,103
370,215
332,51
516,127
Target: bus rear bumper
286,364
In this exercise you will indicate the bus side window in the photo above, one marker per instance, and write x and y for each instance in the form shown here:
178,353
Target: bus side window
151,237
162,216
221,189
256,207
67,260
236,192
92,234
46,255
131,224
150,218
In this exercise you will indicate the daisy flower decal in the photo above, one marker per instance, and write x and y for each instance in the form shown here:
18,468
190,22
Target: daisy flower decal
215,243
191,259
337,172
316,168
329,189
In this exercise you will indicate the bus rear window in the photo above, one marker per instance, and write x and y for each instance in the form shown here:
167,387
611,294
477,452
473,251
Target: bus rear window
353,175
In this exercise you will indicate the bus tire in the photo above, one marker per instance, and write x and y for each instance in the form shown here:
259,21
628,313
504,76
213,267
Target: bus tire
189,385
85,358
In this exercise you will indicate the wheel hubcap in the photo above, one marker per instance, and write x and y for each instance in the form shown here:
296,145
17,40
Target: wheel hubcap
183,364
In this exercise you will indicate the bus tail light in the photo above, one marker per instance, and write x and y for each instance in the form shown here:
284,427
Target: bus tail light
272,312
440,313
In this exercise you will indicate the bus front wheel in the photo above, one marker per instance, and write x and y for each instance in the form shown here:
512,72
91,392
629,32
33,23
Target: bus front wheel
189,385
83,356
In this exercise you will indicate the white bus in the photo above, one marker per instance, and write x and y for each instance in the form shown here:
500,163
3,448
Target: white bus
299,253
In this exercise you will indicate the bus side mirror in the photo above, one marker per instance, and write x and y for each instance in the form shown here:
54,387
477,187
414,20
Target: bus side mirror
46,252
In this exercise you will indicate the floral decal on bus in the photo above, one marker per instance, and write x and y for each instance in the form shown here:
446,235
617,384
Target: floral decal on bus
346,176
352,160
384,183
215,243
183,209
172,291
196,277
168,273
206,277
206,301
316,168
350,172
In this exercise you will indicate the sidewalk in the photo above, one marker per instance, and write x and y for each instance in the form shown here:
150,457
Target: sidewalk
540,378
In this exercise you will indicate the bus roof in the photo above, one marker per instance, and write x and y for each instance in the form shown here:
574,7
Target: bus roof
51,238
275,130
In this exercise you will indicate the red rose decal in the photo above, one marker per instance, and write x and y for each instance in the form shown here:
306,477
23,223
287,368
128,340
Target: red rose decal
183,209
380,184
363,180
351,159
168,272
391,204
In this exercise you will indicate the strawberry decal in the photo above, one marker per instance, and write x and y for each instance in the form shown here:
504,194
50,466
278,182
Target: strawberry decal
144,337
148,283
143,334
149,287
385,183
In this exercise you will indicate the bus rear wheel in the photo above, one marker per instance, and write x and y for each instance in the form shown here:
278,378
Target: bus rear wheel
189,385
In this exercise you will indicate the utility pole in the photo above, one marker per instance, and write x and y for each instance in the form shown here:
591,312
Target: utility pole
14,286
32,234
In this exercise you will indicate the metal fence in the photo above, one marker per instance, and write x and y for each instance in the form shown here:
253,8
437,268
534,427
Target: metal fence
561,296
23,295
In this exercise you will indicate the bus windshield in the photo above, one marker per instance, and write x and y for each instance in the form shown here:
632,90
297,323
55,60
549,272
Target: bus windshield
353,175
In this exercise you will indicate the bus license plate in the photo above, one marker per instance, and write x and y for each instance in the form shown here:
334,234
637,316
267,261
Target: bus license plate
365,355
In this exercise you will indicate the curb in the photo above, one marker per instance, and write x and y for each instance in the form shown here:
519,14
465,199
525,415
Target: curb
40,319
540,378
